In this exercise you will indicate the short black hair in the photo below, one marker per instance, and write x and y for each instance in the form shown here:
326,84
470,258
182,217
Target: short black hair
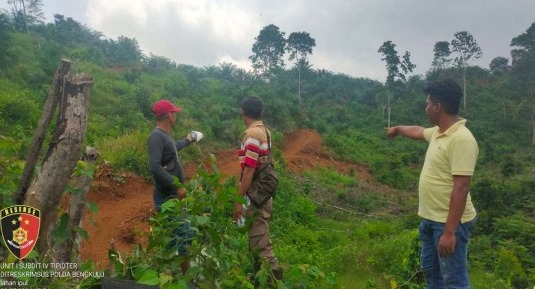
446,92
252,107
162,117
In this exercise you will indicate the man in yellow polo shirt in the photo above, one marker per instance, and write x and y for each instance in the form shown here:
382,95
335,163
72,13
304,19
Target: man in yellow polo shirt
445,206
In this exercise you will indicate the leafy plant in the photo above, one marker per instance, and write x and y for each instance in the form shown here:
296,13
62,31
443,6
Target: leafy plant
10,170
219,250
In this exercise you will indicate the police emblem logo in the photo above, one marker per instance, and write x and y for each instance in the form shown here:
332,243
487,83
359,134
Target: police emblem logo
20,229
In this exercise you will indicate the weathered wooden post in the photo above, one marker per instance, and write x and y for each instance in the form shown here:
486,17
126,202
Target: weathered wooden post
64,151
65,251
37,140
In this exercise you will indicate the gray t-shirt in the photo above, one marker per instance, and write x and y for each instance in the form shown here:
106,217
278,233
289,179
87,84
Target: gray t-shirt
164,162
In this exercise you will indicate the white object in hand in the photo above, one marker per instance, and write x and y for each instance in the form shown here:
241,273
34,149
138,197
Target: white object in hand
241,221
196,135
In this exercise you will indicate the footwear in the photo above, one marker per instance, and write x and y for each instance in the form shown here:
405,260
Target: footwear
275,276
278,274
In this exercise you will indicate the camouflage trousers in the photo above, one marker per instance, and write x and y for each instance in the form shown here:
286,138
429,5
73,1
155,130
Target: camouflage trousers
260,244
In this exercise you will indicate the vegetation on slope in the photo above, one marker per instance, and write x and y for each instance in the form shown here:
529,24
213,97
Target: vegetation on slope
350,114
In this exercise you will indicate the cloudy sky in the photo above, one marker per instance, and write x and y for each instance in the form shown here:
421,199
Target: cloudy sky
347,33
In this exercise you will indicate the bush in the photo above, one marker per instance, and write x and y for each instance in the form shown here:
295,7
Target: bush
219,249
17,109
483,279
519,231
331,178
511,166
508,268
398,256
127,153
10,170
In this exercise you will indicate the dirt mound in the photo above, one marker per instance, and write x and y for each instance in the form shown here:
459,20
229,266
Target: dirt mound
124,205
125,201
303,150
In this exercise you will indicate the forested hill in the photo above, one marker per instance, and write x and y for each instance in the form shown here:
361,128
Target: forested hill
499,102
350,113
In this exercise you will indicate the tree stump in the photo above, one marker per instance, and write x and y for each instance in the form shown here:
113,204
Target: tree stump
37,140
64,151
65,251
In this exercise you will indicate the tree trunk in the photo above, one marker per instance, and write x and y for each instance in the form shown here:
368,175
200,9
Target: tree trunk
464,86
39,136
533,128
383,107
64,151
299,86
23,5
389,108
66,249
504,110
531,96
516,108
504,101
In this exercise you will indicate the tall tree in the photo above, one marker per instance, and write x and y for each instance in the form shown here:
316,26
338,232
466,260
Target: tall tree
300,44
154,63
499,68
499,65
467,50
442,54
123,52
69,31
397,70
27,12
523,69
6,40
268,51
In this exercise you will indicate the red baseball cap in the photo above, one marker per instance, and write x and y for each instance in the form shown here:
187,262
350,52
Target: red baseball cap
164,106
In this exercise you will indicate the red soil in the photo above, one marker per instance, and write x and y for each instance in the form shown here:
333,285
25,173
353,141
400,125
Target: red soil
125,201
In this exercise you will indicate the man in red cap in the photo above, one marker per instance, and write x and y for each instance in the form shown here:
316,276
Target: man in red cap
165,166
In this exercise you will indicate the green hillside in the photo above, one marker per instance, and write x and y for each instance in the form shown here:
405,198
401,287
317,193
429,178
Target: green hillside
373,242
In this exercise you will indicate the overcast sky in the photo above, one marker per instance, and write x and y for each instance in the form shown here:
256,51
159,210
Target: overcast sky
347,33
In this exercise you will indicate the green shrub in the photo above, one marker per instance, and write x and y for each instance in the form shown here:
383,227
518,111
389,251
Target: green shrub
127,152
511,166
331,178
368,202
508,268
482,279
10,170
398,256
18,108
219,249
482,252
518,233
291,208
375,229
